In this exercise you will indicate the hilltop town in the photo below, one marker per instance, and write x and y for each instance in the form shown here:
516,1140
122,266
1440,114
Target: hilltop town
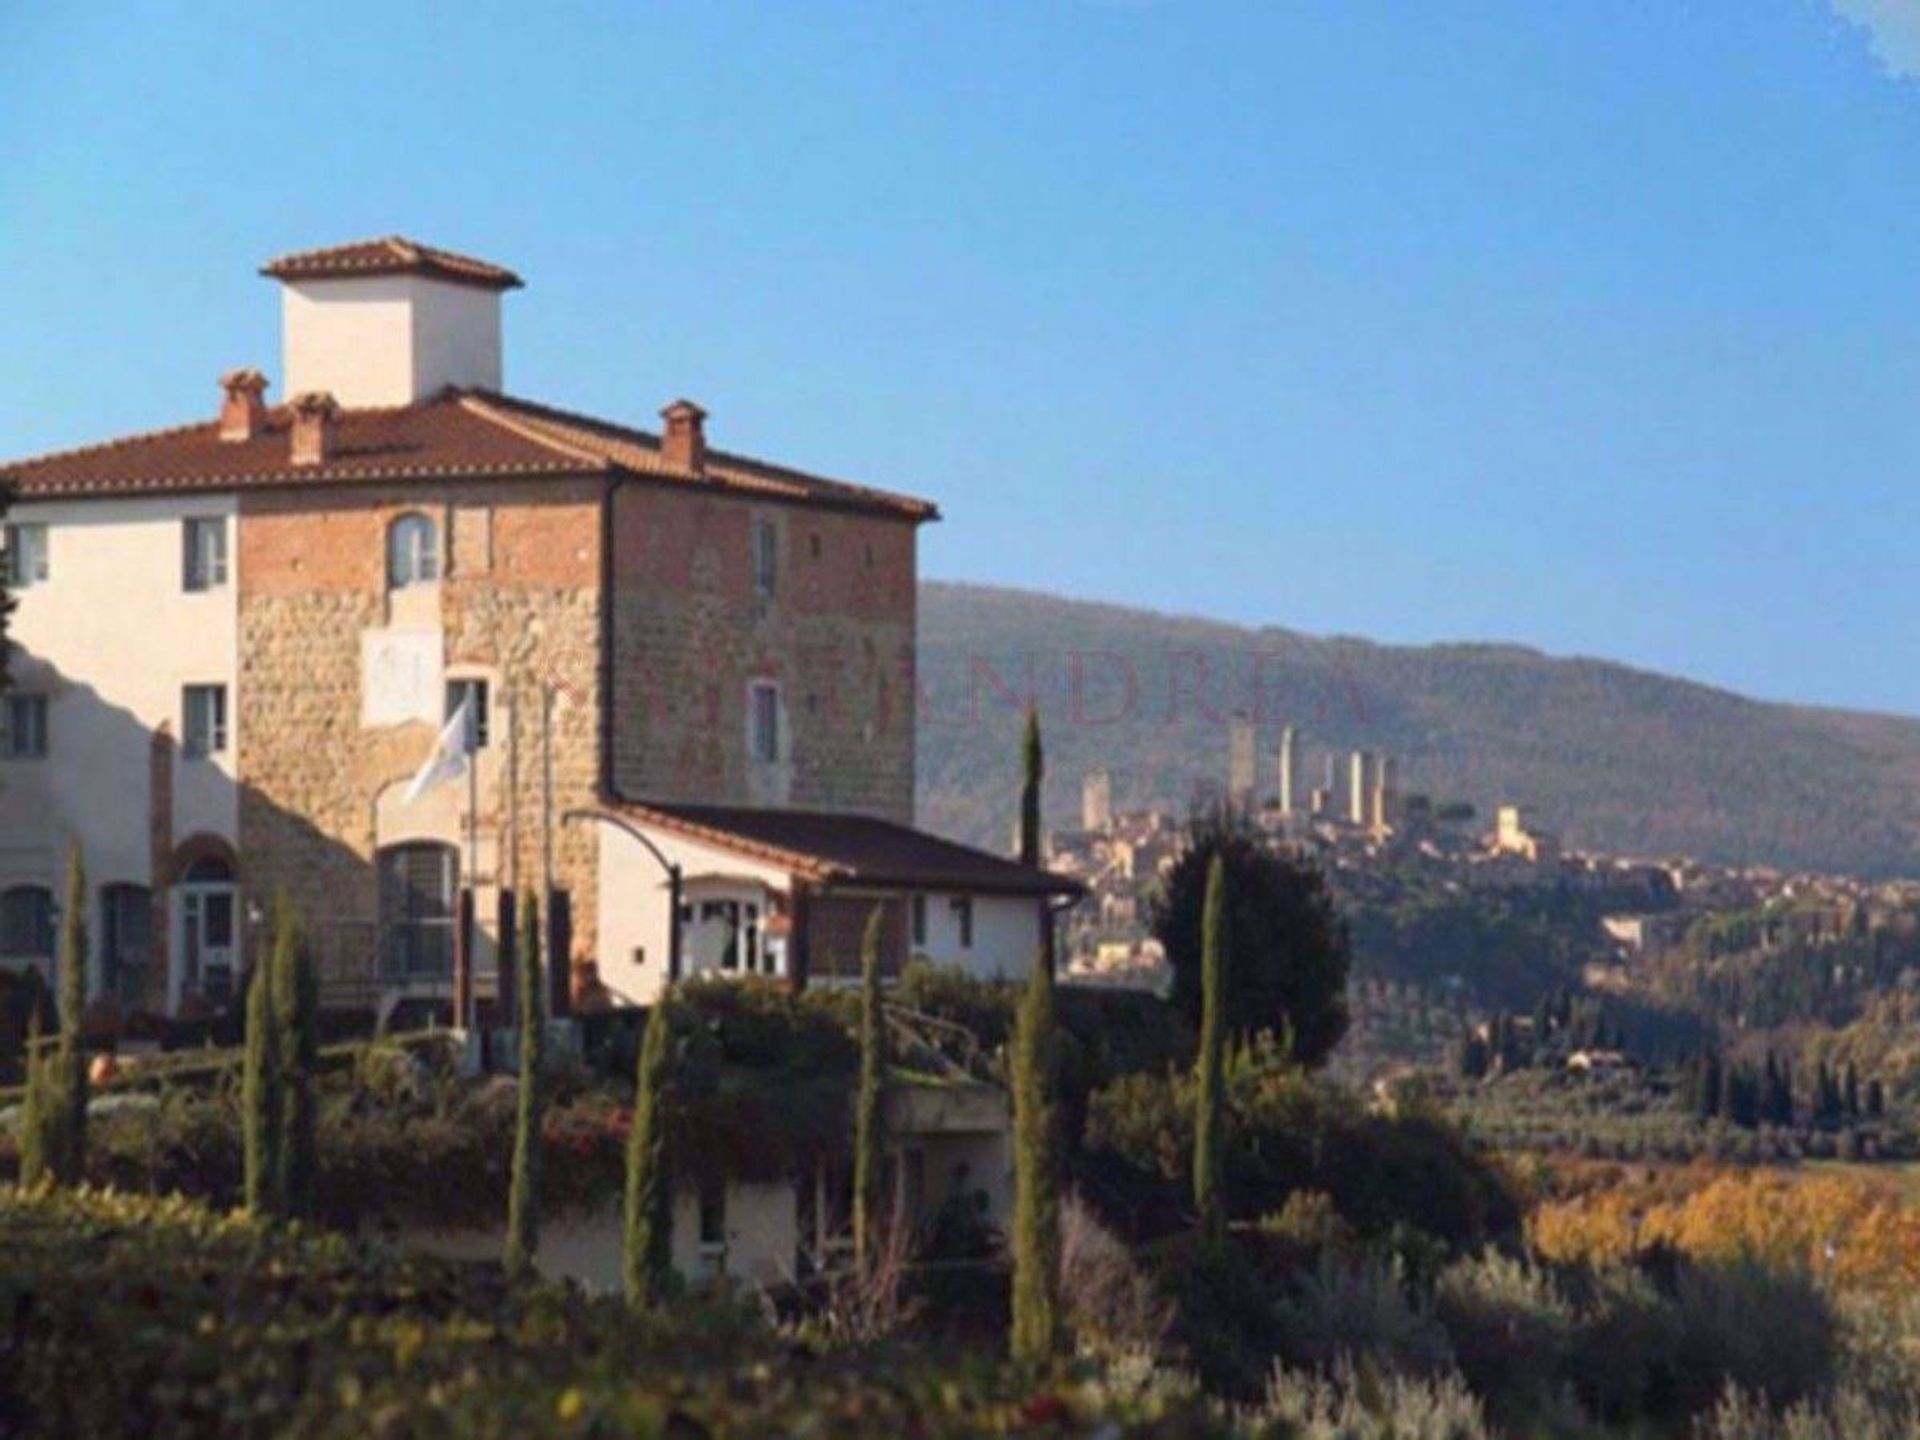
1376,839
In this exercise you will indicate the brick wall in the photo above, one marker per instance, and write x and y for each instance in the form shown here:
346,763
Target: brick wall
691,633
520,598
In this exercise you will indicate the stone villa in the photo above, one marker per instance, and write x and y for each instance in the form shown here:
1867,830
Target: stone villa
239,639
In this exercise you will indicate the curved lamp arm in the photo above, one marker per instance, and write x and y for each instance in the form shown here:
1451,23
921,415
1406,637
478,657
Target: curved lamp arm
628,828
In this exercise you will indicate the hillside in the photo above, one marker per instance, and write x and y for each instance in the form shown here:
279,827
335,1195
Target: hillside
1605,755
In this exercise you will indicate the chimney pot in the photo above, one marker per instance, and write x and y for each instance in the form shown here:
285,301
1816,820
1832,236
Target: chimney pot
313,414
683,442
243,413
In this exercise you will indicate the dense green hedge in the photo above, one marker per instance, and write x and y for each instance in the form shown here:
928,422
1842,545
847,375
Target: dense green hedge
158,1318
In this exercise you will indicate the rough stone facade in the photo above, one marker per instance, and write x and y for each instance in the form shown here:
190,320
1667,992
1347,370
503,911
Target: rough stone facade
692,632
518,605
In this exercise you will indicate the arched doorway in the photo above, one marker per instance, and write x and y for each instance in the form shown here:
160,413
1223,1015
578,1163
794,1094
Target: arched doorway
206,934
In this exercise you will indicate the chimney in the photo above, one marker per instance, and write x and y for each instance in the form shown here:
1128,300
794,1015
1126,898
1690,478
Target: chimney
243,414
683,443
313,414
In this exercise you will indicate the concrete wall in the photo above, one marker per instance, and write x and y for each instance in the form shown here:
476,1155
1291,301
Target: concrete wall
112,637
691,634
388,339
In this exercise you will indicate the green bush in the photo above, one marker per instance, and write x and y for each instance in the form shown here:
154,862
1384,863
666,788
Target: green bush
162,1320
1290,1132
1360,1310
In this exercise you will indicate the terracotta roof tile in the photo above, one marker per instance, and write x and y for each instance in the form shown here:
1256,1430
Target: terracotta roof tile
851,849
390,255
452,435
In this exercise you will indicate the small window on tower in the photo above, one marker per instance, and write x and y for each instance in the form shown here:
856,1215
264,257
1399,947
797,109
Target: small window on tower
766,559
763,722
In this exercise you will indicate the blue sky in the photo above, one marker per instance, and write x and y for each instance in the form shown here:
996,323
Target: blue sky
1589,325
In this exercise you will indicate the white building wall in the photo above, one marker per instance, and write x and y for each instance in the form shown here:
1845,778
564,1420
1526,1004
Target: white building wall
388,339
112,637
1006,935
634,908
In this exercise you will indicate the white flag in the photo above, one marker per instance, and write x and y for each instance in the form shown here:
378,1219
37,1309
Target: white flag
448,761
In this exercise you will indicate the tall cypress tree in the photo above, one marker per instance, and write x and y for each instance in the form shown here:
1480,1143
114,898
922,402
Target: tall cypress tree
296,1001
1209,1153
36,1112
1033,766
1036,1177
70,1058
647,1244
260,1094
523,1202
868,1142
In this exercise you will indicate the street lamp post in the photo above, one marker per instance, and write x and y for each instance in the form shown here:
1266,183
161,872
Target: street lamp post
627,827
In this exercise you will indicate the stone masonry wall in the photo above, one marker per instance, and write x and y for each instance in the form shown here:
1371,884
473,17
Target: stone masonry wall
691,633
519,602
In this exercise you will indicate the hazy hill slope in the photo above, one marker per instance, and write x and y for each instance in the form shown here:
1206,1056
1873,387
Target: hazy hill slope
1606,755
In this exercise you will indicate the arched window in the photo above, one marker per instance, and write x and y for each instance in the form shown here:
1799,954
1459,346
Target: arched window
413,551
417,911
26,923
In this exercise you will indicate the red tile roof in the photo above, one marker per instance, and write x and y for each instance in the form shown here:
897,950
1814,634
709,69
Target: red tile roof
851,849
453,435
391,255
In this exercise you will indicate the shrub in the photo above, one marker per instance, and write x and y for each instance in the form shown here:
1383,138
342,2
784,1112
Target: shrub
1509,1322
1112,1305
1769,1332
1353,1309
162,1319
1357,1404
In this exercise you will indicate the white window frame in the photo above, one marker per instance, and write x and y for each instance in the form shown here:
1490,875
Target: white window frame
203,543
763,741
193,744
32,744
413,550
28,565
766,559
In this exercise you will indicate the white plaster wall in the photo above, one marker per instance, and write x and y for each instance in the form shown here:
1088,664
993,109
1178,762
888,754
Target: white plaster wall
762,1227
112,637
387,339
456,337
1006,935
634,908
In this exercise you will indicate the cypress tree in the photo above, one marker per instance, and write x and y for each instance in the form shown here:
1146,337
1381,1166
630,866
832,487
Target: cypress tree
1852,1091
1033,766
1876,1099
35,1111
647,1242
523,1201
69,1153
296,1001
1209,1158
260,1094
868,1142
1036,1177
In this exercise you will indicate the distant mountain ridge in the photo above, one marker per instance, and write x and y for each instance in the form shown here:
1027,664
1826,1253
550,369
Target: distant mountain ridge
1605,755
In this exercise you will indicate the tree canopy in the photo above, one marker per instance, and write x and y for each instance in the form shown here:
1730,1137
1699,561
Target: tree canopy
1290,948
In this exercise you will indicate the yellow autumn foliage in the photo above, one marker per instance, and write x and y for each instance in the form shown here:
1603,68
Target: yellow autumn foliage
1855,1231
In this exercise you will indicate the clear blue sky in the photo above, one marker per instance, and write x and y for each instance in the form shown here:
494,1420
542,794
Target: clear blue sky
1590,324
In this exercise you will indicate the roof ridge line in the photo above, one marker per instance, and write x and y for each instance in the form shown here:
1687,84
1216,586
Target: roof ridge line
476,405
727,840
